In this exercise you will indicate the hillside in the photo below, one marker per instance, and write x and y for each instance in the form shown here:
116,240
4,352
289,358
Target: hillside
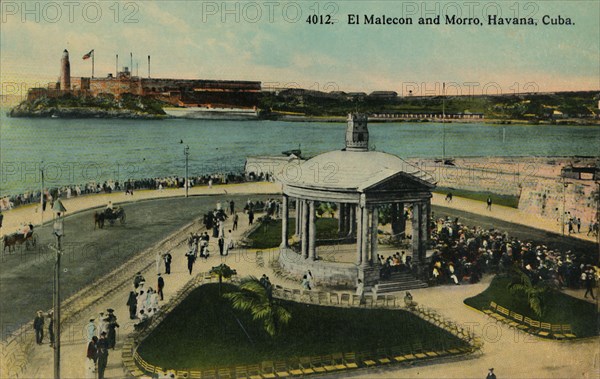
533,107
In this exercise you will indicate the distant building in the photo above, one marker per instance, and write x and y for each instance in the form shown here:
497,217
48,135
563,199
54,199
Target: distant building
384,94
175,91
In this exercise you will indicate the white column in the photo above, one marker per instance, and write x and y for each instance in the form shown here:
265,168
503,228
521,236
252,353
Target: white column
284,221
352,219
304,229
358,211
416,232
374,225
297,218
341,219
424,221
312,231
364,239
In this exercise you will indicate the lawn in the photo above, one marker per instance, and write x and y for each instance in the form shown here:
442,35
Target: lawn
505,200
268,234
202,332
560,308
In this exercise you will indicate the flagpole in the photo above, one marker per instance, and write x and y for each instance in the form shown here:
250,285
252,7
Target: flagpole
93,55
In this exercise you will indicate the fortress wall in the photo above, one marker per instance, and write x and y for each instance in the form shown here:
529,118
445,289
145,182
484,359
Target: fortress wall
164,85
537,182
545,198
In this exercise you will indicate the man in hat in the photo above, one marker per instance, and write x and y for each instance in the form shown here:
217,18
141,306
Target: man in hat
167,258
491,374
38,326
161,285
102,346
51,327
137,280
132,304
112,325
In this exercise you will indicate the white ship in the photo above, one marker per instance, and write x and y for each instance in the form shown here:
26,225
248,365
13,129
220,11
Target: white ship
209,113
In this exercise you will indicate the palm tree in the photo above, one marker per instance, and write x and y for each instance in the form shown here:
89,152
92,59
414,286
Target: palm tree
223,271
535,293
254,297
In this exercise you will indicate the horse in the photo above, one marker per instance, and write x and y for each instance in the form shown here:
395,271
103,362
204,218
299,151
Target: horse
11,240
98,220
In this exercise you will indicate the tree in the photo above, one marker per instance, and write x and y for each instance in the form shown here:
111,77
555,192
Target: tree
325,207
535,293
223,271
256,298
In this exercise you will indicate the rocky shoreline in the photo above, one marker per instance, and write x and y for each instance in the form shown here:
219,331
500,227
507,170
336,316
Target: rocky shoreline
62,112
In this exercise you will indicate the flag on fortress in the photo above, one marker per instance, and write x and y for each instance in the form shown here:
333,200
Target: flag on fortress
88,55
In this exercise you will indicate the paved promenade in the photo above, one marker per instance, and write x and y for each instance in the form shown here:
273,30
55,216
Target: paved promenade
512,355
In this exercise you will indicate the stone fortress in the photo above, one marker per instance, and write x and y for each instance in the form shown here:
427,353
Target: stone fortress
177,92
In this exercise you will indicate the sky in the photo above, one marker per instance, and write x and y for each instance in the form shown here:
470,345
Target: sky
272,42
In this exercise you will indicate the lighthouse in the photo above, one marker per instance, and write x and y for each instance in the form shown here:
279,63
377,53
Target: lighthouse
65,72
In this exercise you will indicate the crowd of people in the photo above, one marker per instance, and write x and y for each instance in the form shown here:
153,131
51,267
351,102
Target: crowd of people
127,186
464,253
399,262
101,336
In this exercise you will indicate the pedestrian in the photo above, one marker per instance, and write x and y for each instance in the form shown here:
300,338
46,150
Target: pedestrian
305,283
92,357
360,289
141,301
137,280
250,216
235,221
570,224
311,279
168,258
191,258
589,283
102,346
228,243
161,285
90,329
132,304
231,207
112,332
489,203
159,260
578,225
221,243
103,324
51,327
38,326
491,374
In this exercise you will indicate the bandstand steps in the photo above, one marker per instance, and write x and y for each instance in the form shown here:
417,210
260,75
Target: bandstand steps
398,282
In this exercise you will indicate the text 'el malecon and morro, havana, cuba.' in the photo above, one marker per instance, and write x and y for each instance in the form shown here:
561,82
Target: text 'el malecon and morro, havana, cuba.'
490,20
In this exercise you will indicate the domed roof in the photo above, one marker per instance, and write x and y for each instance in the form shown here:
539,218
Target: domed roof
351,170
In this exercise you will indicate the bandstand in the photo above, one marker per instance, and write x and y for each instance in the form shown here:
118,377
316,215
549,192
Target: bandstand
359,181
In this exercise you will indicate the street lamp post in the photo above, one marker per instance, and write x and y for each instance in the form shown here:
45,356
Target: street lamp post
562,218
58,231
186,152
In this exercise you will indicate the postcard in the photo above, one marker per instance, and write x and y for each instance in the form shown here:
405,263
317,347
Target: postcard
270,189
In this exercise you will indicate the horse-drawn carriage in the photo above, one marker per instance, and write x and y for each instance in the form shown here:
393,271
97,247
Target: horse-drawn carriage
11,240
110,215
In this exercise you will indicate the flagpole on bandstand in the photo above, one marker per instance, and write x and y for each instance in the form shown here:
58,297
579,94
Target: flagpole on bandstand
93,56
